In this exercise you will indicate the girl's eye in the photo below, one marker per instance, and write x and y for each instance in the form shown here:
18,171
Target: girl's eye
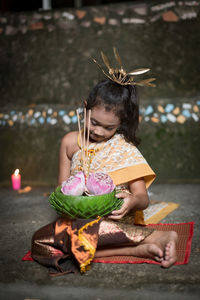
109,128
93,122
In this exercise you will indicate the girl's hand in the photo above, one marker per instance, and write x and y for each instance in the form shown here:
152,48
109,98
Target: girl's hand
128,205
136,199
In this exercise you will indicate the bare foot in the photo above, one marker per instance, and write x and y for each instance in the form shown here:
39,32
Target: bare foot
169,255
148,251
166,241
160,246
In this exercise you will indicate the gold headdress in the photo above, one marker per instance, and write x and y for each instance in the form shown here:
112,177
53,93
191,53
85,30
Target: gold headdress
120,75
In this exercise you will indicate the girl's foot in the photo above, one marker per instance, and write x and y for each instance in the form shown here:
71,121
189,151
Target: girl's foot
169,255
166,241
151,251
160,246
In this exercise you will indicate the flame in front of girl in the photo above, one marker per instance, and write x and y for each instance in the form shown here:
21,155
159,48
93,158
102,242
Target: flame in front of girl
16,172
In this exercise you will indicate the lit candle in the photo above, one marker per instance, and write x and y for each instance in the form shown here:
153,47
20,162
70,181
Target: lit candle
16,180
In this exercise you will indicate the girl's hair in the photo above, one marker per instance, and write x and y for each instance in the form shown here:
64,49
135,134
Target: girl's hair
123,101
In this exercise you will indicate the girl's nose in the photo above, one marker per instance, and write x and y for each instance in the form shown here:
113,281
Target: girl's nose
98,131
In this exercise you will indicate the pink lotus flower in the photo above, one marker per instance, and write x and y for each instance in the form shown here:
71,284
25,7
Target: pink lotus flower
99,183
74,185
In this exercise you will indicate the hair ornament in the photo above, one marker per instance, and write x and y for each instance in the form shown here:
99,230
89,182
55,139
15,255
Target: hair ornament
120,75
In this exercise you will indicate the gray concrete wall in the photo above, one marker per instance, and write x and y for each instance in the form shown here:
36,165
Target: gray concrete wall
46,72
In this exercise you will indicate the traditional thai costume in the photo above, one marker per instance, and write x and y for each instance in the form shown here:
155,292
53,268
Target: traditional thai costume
69,245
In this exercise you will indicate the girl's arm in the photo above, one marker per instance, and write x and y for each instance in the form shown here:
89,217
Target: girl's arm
139,193
137,199
64,161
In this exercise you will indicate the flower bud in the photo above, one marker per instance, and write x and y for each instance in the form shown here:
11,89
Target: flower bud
74,185
99,183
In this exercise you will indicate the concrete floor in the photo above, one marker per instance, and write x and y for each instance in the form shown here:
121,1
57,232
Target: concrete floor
22,214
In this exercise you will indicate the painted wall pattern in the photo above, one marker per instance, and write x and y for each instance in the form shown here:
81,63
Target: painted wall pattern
52,116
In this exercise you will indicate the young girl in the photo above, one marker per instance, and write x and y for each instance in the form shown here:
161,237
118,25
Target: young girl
112,148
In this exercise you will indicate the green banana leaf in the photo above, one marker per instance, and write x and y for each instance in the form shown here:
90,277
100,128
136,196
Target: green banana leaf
84,207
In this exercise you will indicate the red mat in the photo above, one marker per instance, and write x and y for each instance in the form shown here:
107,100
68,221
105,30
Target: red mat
185,234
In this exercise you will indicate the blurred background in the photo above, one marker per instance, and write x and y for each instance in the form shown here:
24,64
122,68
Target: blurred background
46,72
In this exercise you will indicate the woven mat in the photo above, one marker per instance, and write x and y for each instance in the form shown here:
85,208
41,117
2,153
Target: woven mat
185,234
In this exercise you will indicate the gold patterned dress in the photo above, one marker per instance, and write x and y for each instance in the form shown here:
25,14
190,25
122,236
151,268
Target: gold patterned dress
70,245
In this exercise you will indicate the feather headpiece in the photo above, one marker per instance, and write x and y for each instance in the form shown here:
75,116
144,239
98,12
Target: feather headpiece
120,76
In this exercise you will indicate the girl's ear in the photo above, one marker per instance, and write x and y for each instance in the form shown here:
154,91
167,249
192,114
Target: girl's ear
85,103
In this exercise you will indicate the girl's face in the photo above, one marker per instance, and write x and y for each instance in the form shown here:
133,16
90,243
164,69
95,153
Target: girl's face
103,124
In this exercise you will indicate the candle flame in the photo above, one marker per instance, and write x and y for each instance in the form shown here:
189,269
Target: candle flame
16,172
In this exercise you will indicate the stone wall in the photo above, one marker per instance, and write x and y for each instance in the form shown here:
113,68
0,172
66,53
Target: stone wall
46,72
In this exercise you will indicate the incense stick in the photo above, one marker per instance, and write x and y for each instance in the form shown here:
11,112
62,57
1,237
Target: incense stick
84,131
79,129
88,134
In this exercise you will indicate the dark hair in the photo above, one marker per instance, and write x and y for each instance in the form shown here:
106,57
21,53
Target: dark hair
123,100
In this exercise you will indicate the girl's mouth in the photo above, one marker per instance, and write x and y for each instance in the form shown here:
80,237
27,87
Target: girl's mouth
95,137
